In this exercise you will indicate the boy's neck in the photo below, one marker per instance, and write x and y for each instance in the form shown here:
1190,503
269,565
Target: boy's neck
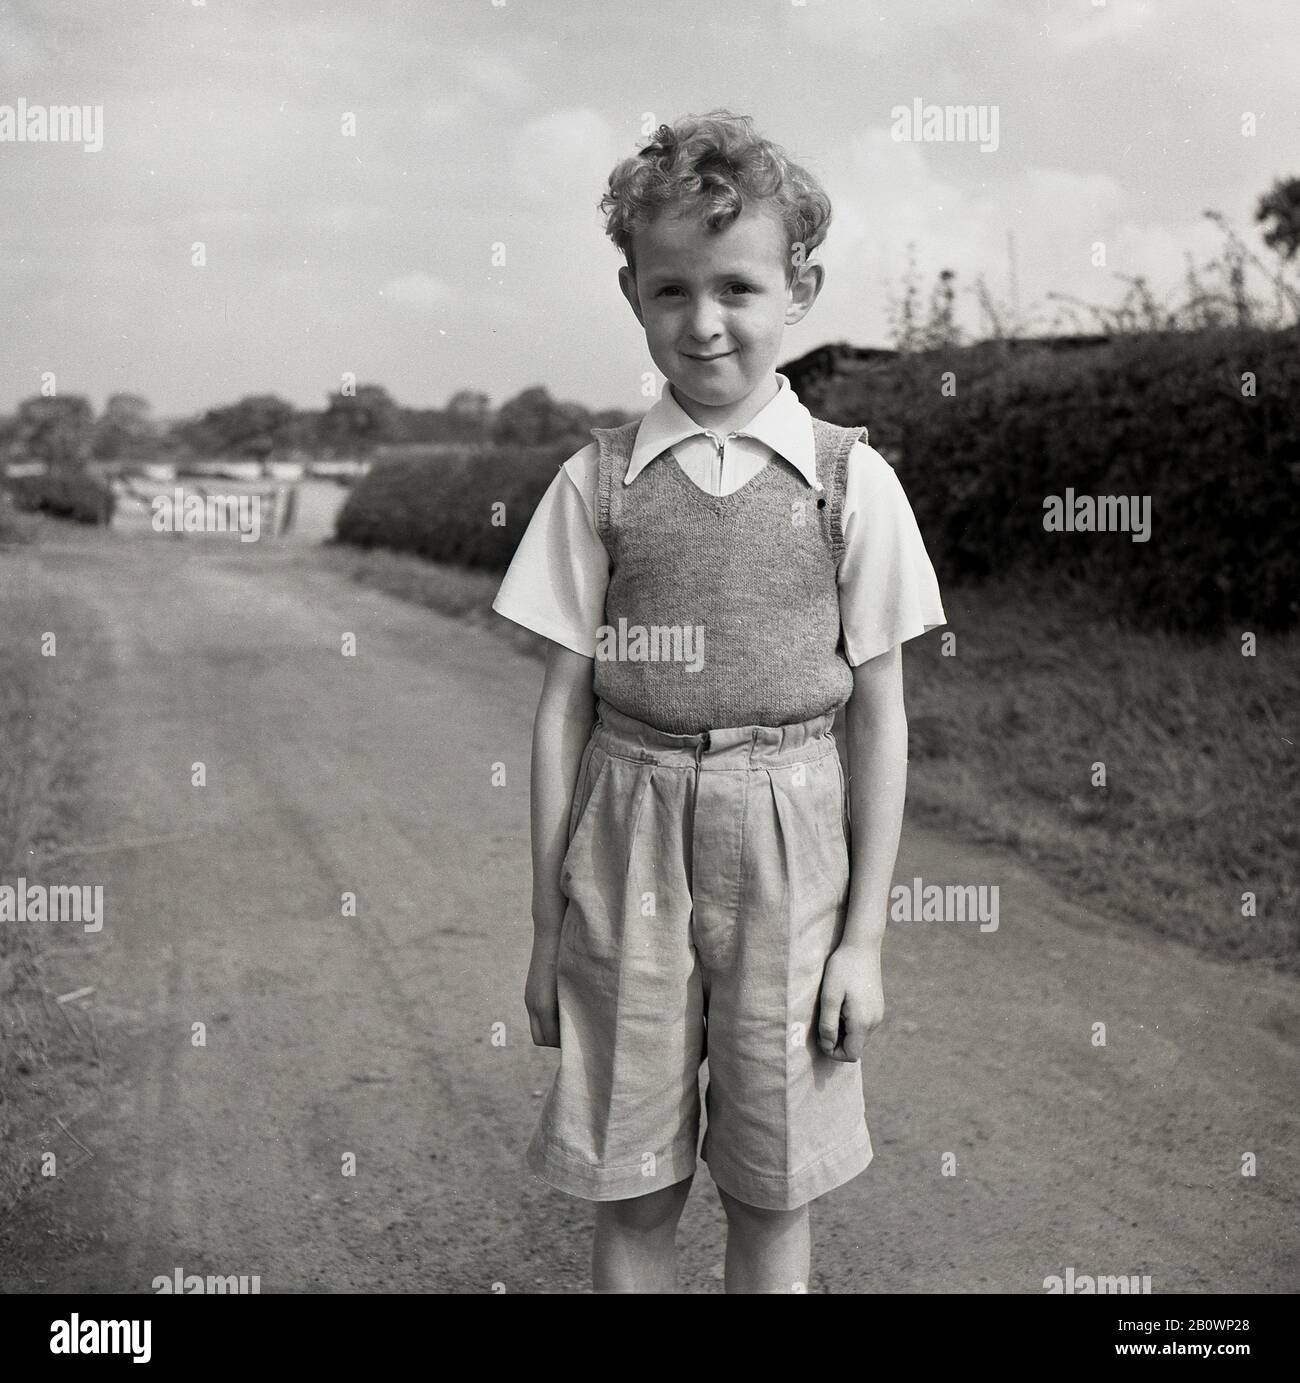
729,417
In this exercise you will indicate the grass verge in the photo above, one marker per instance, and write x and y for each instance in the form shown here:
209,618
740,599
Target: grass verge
49,1052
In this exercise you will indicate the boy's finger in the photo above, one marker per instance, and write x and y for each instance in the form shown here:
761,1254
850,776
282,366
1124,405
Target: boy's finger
854,1037
828,1026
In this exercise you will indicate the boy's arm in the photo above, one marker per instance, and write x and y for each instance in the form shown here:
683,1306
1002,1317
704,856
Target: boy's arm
877,734
561,727
852,993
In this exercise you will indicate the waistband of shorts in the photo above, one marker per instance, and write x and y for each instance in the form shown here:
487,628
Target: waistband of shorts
735,746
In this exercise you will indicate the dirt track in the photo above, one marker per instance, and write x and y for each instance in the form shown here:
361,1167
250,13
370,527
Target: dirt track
374,1035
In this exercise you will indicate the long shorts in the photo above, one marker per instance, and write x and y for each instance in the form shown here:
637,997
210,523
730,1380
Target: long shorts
707,879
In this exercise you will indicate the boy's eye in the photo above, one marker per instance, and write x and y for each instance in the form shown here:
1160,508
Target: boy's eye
672,288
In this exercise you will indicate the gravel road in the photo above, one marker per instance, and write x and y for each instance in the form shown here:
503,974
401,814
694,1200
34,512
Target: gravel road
399,1035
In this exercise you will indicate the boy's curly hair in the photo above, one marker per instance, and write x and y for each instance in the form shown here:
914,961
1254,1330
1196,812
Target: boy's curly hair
714,165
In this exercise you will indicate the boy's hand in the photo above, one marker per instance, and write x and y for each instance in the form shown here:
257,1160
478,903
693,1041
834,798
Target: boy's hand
541,993
852,1002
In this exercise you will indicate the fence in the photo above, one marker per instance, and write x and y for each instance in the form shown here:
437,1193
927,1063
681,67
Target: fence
277,504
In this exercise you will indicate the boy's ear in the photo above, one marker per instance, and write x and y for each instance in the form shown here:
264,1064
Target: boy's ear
627,282
803,291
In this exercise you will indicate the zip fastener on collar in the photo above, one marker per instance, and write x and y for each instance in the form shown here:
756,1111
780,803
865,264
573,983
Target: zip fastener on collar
721,447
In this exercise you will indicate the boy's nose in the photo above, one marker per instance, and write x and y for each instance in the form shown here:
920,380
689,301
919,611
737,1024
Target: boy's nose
705,326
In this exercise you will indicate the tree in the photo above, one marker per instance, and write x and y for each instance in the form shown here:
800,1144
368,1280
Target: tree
126,429
533,418
1280,208
942,330
253,427
357,423
468,403
905,311
56,430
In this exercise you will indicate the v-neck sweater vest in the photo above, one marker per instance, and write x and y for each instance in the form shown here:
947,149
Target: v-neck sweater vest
722,610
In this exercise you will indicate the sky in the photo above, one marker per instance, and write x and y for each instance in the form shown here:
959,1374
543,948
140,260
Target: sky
487,130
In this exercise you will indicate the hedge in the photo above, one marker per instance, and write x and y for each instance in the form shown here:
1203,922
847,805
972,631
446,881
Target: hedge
1170,418
443,508
64,494
1164,417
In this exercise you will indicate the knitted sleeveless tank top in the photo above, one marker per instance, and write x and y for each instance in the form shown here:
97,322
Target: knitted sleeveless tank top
722,610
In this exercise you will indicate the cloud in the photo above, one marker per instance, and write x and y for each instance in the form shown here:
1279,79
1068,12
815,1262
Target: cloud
418,291
564,157
493,76
1100,23
888,195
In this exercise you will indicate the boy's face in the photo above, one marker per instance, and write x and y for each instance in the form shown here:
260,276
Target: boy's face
715,304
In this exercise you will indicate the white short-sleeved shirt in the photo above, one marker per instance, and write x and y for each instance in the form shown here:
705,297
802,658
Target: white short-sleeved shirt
888,591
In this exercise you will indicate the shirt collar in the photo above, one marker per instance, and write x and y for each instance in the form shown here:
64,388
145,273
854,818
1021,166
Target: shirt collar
784,425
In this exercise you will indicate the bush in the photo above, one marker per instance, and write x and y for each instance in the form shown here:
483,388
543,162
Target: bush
441,508
14,527
64,494
1159,416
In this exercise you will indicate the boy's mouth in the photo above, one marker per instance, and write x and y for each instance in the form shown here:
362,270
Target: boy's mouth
706,359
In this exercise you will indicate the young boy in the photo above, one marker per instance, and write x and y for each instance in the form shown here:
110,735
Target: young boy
716,580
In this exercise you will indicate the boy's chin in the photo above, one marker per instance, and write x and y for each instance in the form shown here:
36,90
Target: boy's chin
719,395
